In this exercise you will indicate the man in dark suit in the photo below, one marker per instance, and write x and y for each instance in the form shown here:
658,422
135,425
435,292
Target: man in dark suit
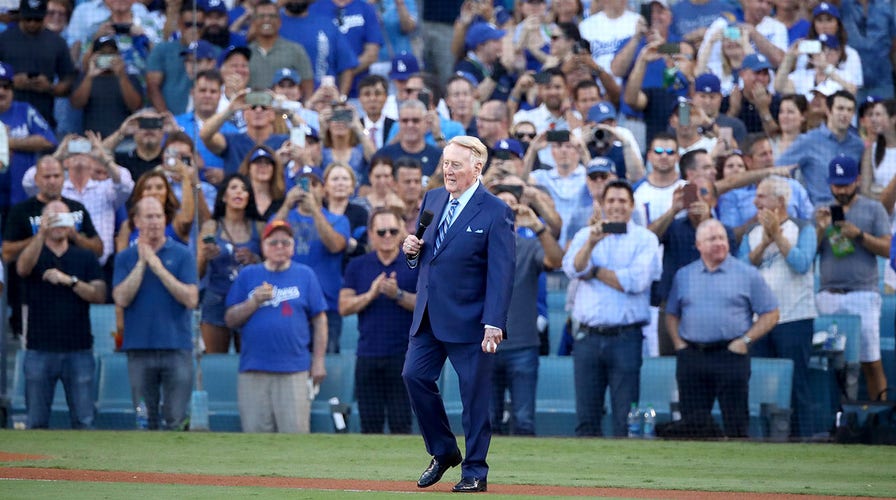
373,91
466,259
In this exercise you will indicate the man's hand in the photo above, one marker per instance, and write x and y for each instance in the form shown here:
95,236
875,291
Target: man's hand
738,346
148,255
848,229
389,286
263,293
525,217
57,277
822,217
769,222
318,371
491,339
597,233
412,245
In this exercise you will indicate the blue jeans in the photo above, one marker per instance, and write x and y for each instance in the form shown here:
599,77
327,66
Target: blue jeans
169,370
602,361
517,371
76,369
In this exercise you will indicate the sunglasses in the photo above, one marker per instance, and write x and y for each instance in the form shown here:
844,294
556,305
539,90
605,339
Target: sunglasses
599,175
193,24
278,243
523,135
393,231
411,120
659,151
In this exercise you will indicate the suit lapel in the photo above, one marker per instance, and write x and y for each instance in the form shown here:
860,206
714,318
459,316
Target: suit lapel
463,219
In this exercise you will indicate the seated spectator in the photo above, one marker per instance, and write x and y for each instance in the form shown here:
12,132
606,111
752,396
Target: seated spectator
60,282
344,141
148,128
279,308
265,173
231,240
828,68
380,288
411,143
105,92
178,222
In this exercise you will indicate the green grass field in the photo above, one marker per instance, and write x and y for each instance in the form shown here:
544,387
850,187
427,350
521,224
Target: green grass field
820,469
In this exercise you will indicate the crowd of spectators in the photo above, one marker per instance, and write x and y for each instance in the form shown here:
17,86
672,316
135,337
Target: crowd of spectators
615,129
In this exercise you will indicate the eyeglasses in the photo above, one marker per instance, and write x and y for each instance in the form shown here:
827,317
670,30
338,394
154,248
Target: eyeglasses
393,231
659,151
278,243
599,175
523,135
193,24
411,120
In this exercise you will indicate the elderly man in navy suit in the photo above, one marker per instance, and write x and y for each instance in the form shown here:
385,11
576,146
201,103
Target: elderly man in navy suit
466,258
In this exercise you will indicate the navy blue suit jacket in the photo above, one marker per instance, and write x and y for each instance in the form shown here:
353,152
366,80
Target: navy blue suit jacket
467,283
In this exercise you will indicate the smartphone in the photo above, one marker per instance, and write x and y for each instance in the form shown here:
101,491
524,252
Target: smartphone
837,213
121,28
104,61
810,47
259,98
614,227
542,78
558,136
64,219
297,136
149,122
690,195
684,114
79,146
328,81
425,96
208,238
304,184
726,134
732,33
670,48
645,13
342,115
516,191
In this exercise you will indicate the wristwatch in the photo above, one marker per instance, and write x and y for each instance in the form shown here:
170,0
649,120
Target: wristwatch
74,281
747,340
399,295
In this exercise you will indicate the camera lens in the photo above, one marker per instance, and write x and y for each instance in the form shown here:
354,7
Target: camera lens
600,134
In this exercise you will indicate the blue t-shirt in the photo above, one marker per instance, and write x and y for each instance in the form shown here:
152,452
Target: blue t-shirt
358,24
383,324
800,29
327,49
155,320
187,123
277,335
428,158
23,120
310,250
239,145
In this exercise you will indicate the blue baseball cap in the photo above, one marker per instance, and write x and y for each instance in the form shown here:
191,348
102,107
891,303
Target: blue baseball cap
466,75
601,111
231,50
829,41
201,48
756,62
309,171
212,6
826,8
480,33
511,146
261,153
312,133
843,170
601,164
404,65
708,83
285,74
6,71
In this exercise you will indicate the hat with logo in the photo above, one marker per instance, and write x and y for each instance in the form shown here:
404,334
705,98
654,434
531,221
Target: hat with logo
277,225
829,41
201,49
5,71
32,9
601,164
511,146
285,74
403,66
826,8
601,112
212,6
105,41
843,170
261,153
480,33
756,62
231,50
312,133
309,171
708,83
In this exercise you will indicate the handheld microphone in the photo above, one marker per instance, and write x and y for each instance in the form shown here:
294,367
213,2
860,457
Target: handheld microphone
425,221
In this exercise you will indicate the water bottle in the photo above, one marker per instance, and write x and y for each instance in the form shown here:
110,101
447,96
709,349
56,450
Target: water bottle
142,416
338,416
649,422
675,406
839,338
634,422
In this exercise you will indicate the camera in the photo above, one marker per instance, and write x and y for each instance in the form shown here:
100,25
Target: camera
149,122
104,61
259,98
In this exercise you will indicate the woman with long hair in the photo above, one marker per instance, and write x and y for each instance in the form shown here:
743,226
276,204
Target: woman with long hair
345,141
178,222
734,50
230,241
827,69
263,168
879,160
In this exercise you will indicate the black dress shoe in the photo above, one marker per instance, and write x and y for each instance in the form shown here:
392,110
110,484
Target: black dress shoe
437,468
470,485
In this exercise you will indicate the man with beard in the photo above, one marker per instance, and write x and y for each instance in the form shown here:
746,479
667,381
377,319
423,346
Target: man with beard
271,52
550,114
217,26
848,247
329,52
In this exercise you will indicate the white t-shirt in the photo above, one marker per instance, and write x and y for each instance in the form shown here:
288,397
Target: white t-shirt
770,28
607,35
850,69
651,202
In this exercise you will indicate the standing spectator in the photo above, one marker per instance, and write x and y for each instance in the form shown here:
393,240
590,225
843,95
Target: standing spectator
879,160
792,120
848,251
373,90
233,63
485,45
205,94
439,20
612,305
274,304
712,356
826,20
60,282
411,138
345,141
409,185
708,97
815,149
608,30
155,283
265,173
460,97
551,114
40,57
783,250
493,122
327,49
217,26
516,363
321,240
767,36
752,102
654,196
691,18
827,70
379,288
271,52
154,184
565,182
148,128
872,31
382,186
358,23
339,191
230,241
105,91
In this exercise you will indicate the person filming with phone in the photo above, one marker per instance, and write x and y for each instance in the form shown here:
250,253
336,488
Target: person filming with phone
616,261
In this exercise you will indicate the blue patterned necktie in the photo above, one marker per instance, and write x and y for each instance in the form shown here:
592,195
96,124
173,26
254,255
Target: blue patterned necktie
443,228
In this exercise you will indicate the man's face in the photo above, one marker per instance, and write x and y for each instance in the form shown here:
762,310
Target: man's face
490,123
411,89
206,94
841,115
6,94
665,160
512,165
149,138
259,116
761,155
703,168
565,154
459,97
278,247
844,194
750,77
709,102
266,19
412,126
150,219
236,64
712,243
586,99
288,89
215,22
458,169
49,179
766,199
756,9
190,25
373,98
597,181
391,229
618,205
660,17
553,93
32,26
410,185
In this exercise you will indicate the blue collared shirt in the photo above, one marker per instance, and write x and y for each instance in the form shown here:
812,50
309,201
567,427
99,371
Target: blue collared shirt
634,257
871,34
813,151
736,207
718,305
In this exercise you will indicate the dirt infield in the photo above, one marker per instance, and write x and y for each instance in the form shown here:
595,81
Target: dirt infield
42,474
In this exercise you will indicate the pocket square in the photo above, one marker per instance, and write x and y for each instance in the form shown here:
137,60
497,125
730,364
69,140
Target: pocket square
469,230
478,231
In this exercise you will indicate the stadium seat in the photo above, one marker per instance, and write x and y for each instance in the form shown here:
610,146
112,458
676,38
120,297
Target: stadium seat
339,383
450,389
102,325
350,333
555,397
658,385
888,337
771,381
115,408
219,378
